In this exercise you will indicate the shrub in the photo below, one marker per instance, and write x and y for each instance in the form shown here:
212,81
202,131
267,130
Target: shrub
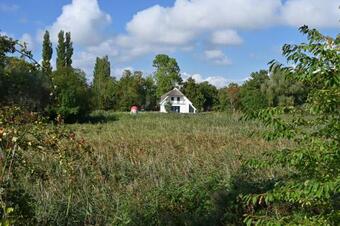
71,94
34,155
308,193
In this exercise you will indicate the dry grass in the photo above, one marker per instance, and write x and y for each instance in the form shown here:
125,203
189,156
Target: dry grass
157,147
140,154
145,169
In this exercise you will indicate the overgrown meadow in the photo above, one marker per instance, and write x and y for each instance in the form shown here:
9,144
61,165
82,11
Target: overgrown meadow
275,164
145,169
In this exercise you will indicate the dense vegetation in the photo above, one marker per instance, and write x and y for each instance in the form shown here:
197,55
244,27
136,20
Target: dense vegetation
276,163
308,193
134,170
72,97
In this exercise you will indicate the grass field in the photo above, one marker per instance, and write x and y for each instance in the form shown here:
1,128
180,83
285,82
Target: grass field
166,167
145,169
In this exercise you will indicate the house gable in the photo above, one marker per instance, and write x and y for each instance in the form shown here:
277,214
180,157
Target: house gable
173,93
178,100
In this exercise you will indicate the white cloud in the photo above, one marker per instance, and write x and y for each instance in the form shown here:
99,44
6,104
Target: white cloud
217,56
27,38
86,59
179,27
315,13
226,37
188,19
84,19
217,81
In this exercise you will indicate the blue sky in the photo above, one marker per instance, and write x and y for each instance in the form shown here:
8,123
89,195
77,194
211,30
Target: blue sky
213,40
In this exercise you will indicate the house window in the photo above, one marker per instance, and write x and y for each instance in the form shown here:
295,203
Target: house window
172,98
178,99
176,109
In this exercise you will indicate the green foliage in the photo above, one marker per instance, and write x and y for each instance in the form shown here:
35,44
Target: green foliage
103,85
191,90
168,106
33,155
210,94
167,73
113,174
47,52
223,99
7,45
151,100
131,90
192,203
281,90
203,95
308,192
71,94
68,50
24,85
229,98
64,50
61,52
251,96
21,81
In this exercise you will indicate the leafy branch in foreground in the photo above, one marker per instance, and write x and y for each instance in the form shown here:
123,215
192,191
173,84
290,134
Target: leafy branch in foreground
309,191
9,45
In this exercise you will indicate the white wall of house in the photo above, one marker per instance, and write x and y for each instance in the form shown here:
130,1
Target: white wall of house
183,103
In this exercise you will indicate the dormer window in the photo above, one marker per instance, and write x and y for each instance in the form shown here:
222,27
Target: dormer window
172,98
178,99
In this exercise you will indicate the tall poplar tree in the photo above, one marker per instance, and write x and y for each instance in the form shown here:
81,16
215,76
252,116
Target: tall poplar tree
47,52
61,51
102,88
68,50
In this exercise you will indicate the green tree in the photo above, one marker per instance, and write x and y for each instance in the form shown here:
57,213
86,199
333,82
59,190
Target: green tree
7,45
308,192
47,52
191,90
21,82
210,96
167,73
61,52
150,94
129,90
251,96
234,96
223,99
204,96
103,85
26,85
281,90
72,94
68,50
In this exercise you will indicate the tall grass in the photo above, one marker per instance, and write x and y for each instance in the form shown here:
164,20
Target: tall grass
151,160
145,169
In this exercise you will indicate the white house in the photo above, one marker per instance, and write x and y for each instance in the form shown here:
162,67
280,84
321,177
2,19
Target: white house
179,102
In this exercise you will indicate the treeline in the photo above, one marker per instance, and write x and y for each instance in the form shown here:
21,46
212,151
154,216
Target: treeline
66,92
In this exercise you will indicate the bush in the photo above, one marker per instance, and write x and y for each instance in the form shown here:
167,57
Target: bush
24,85
34,155
72,95
308,192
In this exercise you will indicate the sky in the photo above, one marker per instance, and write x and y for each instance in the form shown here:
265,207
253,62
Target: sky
219,41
